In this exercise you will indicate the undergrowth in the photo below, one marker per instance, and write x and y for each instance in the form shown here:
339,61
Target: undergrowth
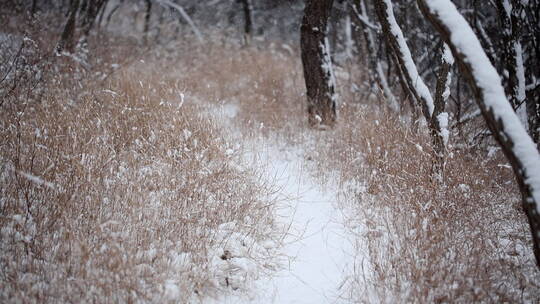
463,238
113,190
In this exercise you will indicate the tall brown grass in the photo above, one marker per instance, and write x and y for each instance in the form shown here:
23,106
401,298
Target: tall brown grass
114,191
421,240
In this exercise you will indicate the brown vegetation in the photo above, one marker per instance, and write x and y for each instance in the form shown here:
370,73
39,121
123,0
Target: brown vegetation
112,190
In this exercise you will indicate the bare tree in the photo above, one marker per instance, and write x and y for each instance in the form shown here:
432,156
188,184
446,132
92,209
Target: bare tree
369,30
318,71
512,54
91,11
412,81
248,20
67,40
147,15
497,111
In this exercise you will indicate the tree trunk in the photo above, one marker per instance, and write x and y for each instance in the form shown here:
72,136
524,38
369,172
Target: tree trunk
496,110
533,114
248,20
411,80
67,39
33,8
512,55
318,71
147,15
92,8
439,119
113,10
375,64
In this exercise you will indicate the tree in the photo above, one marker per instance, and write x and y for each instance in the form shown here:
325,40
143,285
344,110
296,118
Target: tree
91,11
500,118
375,65
318,72
67,40
412,81
147,15
512,54
248,20
87,10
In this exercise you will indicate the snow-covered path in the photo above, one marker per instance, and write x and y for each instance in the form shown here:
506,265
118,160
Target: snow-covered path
316,242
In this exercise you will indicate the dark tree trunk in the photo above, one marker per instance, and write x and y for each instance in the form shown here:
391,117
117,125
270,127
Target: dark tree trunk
533,114
248,20
393,45
318,73
101,14
510,35
33,8
93,7
513,20
147,15
496,125
67,39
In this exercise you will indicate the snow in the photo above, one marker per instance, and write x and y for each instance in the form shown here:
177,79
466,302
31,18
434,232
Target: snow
318,250
443,117
316,253
447,55
328,69
443,123
410,66
38,180
465,41
520,73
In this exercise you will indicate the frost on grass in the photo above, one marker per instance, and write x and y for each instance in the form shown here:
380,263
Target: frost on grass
123,197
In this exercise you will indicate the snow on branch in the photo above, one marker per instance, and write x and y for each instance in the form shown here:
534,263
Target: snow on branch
465,43
419,88
498,113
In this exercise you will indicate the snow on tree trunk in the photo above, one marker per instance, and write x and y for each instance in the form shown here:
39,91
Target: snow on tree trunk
439,118
348,37
316,60
513,56
402,54
497,111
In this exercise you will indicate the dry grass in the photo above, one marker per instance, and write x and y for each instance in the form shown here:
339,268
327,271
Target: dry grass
265,82
465,240
114,192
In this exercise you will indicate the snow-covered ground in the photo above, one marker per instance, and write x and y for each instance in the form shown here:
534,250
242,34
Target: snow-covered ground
316,247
